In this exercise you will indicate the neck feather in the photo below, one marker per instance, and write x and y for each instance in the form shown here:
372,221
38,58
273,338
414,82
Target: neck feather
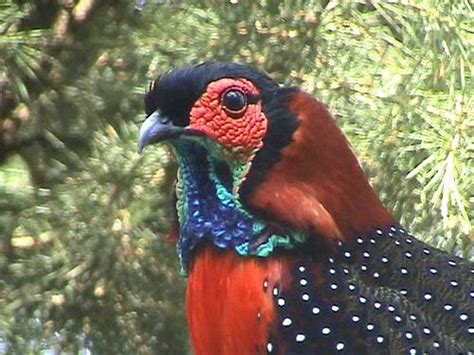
318,184
210,213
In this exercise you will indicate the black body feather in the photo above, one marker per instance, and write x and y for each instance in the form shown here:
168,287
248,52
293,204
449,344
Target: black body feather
388,293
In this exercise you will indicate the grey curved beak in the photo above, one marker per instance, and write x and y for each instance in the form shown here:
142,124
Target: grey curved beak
157,128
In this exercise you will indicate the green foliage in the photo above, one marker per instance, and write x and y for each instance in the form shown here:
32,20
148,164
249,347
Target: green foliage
85,269
22,53
82,259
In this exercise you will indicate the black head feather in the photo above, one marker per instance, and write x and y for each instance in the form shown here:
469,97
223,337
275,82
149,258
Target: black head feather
175,93
282,123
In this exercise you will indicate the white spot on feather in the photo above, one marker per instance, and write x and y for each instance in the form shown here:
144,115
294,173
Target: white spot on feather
300,338
269,347
448,307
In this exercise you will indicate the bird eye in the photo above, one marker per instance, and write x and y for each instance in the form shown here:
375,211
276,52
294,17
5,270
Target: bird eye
234,102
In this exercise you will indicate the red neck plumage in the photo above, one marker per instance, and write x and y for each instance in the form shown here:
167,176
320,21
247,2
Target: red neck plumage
318,184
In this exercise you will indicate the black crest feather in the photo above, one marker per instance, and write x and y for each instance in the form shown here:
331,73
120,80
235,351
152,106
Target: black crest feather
175,92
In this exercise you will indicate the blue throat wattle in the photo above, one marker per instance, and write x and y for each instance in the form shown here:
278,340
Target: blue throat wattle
209,211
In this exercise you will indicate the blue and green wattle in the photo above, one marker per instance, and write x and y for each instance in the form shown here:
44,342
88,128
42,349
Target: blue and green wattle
209,211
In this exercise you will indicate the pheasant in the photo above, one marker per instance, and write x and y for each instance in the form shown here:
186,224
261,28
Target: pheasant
285,245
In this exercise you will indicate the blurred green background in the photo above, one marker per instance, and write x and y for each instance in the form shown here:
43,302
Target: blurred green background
83,262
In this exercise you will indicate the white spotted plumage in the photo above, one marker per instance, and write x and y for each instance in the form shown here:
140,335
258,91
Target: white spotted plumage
387,277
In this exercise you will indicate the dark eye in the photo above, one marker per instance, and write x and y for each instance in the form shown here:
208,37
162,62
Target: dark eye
234,102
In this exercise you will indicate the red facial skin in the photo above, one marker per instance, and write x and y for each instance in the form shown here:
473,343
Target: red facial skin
243,133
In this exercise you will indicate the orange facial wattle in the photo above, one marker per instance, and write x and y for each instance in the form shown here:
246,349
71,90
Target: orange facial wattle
241,135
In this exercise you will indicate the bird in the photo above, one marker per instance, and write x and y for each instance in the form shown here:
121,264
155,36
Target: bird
285,245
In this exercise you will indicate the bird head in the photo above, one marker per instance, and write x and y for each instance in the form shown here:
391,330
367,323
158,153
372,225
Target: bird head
275,150
215,104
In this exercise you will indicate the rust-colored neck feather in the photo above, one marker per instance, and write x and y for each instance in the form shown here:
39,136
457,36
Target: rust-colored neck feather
318,184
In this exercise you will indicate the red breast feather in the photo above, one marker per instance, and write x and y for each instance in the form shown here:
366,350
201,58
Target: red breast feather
229,302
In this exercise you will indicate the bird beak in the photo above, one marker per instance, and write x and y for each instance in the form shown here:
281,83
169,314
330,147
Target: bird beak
157,128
